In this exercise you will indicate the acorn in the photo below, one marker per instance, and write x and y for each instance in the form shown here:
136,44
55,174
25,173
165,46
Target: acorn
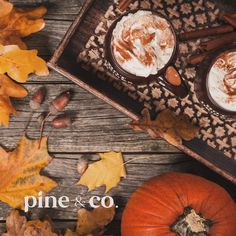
38,98
62,121
60,102
82,165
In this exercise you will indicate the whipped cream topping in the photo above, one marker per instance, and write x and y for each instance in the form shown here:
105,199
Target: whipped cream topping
143,43
221,81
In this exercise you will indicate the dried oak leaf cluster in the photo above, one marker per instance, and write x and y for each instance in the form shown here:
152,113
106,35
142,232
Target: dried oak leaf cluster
15,61
18,225
92,222
167,125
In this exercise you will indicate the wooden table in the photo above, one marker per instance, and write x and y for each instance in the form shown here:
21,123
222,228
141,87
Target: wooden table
97,128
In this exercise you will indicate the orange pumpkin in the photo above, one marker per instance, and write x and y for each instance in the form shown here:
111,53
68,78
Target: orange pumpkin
179,204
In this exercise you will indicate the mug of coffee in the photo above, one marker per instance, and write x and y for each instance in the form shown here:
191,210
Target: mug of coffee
139,47
215,85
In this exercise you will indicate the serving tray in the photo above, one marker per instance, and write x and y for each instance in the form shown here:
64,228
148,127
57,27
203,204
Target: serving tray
80,57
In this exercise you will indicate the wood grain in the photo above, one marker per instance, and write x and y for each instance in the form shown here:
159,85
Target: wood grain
97,128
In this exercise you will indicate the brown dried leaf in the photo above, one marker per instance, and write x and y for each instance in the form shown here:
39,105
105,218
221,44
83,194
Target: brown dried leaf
145,124
93,222
186,130
166,119
167,125
18,23
18,226
171,136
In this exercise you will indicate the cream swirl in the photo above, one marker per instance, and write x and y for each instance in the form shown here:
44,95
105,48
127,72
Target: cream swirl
143,43
221,81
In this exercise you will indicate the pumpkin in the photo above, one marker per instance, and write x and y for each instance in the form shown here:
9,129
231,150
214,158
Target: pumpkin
179,204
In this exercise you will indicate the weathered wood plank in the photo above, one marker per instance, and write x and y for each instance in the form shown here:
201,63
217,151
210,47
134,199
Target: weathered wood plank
48,39
57,10
64,172
97,126
63,169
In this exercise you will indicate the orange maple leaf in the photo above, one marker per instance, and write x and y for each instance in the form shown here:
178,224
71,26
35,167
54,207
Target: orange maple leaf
20,172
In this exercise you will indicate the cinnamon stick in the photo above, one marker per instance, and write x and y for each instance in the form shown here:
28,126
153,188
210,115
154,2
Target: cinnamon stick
219,42
198,58
206,32
222,14
229,19
123,4
211,45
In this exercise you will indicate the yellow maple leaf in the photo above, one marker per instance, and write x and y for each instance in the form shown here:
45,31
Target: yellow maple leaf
107,171
8,88
92,222
20,172
17,225
18,64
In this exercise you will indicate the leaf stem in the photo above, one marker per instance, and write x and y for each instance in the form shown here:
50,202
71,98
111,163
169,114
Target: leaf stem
42,127
134,159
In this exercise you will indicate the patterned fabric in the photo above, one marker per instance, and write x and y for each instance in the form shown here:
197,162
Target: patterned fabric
185,15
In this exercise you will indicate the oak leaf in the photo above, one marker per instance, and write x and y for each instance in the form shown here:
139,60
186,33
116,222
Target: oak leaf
167,125
5,8
16,23
92,222
20,172
106,171
17,225
8,89
18,64
6,109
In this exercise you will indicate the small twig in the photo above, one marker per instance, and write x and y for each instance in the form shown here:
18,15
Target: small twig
42,127
219,42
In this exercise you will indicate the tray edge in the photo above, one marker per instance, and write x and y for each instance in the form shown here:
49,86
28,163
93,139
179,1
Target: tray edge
53,65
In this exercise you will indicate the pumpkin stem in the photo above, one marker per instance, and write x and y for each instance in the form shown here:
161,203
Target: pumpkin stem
191,224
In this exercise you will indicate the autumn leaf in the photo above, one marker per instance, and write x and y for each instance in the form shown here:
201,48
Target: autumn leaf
17,225
92,222
8,89
20,172
16,23
145,124
5,8
18,64
107,171
167,125
6,109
